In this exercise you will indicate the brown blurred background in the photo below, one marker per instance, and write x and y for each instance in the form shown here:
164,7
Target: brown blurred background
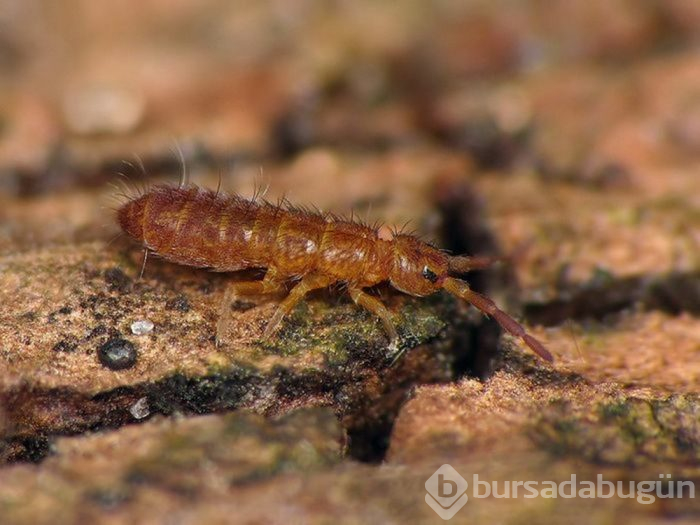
84,84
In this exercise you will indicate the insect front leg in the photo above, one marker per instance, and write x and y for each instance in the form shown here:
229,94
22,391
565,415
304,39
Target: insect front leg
307,284
375,306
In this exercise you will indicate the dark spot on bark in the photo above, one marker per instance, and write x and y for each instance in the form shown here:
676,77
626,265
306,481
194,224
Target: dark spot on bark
242,305
179,303
117,280
100,329
28,316
32,449
109,498
65,346
117,354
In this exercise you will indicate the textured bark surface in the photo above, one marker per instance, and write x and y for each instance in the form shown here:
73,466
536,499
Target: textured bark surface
564,134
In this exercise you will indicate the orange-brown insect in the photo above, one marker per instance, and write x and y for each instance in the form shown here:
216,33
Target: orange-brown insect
201,228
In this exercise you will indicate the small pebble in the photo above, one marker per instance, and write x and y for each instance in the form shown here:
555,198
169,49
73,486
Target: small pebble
140,409
117,354
141,327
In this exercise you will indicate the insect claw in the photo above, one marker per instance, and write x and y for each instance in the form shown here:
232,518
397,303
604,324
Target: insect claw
273,325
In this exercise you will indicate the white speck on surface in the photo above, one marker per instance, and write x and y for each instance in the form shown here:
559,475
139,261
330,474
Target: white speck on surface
140,409
94,109
142,327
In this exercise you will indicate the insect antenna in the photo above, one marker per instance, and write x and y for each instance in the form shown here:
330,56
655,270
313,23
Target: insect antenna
488,307
461,264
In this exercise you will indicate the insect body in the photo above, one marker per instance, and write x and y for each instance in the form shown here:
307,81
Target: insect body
202,228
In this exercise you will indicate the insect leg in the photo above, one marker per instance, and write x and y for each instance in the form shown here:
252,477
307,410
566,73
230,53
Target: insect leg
242,289
269,285
375,306
308,283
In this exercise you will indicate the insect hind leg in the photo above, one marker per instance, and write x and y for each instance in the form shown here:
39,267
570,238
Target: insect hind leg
307,284
267,286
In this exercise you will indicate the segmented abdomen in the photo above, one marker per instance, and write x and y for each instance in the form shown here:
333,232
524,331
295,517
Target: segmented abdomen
201,228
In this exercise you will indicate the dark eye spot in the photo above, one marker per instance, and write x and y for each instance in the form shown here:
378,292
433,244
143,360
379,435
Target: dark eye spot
429,274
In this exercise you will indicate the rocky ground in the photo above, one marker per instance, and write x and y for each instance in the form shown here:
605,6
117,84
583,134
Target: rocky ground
563,134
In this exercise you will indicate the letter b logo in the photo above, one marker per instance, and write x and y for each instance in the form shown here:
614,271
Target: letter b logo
446,491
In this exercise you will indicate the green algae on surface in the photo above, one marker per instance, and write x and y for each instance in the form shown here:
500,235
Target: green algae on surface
246,447
59,387
341,332
624,431
176,460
